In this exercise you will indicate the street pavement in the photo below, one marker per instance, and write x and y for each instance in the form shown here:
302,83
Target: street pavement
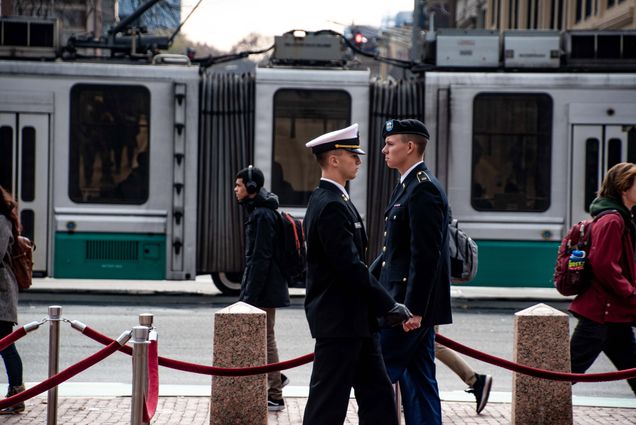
98,403
195,411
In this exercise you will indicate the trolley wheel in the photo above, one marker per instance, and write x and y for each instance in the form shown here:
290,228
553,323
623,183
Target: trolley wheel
228,283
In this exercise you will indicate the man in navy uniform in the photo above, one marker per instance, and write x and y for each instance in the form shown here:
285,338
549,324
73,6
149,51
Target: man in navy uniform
414,268
342,299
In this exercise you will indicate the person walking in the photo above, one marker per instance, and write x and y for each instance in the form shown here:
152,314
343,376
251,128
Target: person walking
342,299
606,310
479,384
9,231
414,267
263,284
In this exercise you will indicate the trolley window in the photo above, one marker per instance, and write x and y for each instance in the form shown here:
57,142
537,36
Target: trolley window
28,164
631,144
6,159
511,152
592,159
299,116
109,144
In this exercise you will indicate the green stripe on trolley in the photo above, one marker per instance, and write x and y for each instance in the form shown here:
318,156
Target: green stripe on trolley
516,263
110,255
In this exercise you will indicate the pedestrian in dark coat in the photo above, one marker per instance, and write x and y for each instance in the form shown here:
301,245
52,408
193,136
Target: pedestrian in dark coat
343,300
606,310
9,231
415,269
263,284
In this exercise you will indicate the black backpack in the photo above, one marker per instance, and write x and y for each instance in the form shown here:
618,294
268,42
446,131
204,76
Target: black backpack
293,249
463,254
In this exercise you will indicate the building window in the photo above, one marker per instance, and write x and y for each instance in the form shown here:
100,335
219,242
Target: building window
299,116
588,8
559,14
109,144
579,10
610,3
511,152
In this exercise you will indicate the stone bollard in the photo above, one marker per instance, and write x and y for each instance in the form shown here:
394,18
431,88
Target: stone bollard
240,340
542,340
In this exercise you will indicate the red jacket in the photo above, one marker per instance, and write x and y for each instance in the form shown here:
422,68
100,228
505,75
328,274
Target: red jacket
611,297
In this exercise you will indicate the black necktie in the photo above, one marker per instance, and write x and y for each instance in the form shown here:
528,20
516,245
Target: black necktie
396,192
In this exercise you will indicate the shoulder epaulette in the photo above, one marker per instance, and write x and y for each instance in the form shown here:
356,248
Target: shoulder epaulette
423,177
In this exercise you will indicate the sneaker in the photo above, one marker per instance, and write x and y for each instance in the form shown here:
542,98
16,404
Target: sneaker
275,405
481,390
284,380
16,408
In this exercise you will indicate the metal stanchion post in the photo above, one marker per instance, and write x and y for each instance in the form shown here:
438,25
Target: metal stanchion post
55,314
398,403
140,371
146,319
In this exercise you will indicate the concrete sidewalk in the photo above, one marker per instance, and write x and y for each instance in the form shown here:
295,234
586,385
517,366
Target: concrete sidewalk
203,286
195,411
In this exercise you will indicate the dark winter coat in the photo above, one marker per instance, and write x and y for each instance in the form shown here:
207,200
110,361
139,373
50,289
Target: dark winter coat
8,284
343,300
611,297
415,262
263,284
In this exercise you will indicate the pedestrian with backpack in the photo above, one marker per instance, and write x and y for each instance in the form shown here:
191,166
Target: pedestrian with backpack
9,232
606,307
263,285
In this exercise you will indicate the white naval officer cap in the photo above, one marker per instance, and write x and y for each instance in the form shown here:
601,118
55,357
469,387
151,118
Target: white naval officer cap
346,138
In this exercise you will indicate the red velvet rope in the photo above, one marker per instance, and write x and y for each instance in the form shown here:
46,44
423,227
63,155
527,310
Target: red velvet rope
209,370
497,361
152,399
539,373
12,337
64,375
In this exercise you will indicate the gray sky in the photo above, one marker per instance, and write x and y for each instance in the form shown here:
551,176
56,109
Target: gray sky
222,23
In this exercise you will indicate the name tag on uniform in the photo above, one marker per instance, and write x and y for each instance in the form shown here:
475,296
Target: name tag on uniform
397,205
357,225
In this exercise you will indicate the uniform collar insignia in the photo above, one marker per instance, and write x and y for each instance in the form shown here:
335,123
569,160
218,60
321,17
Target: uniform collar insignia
344,197
422,177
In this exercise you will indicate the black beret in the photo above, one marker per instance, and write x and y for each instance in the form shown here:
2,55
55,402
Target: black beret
409,126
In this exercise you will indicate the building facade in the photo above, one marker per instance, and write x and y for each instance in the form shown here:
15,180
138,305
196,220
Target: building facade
74,16
560,14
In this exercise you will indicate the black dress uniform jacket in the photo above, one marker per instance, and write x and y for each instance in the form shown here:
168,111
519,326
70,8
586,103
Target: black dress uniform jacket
342,298
414,265
263,283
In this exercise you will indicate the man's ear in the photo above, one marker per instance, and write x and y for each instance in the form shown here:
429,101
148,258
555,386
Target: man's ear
333,160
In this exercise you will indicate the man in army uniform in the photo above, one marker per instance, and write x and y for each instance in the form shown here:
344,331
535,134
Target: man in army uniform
414,268
342,298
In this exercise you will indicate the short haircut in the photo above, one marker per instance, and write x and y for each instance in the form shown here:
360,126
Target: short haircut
323,157
419,140
618,179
